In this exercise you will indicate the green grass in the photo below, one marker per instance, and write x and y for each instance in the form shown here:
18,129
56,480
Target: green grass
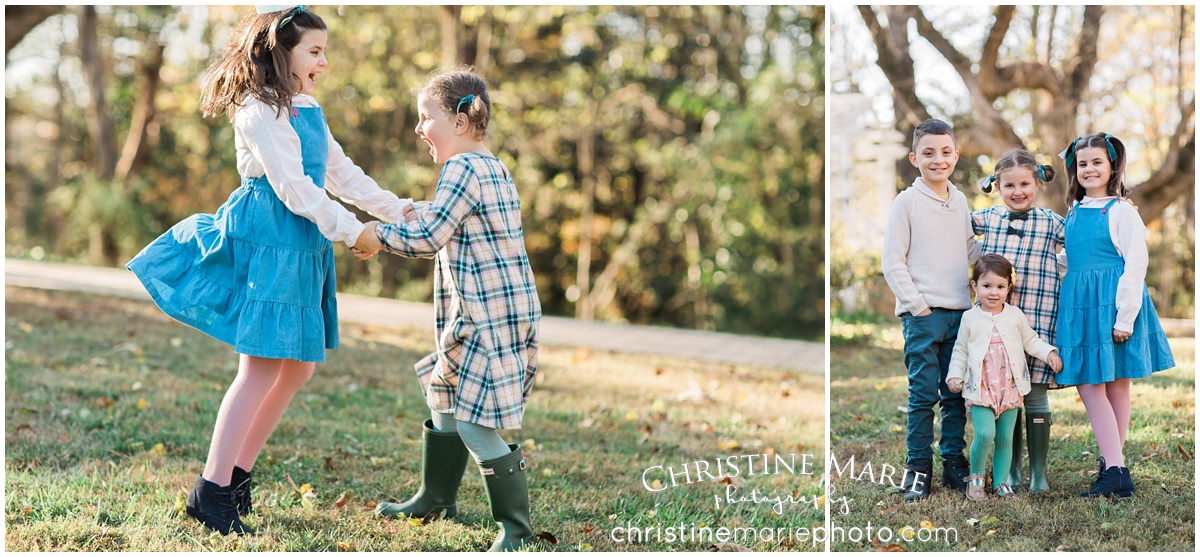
109,407
868,389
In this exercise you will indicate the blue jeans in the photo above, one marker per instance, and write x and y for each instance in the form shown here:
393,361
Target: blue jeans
928,347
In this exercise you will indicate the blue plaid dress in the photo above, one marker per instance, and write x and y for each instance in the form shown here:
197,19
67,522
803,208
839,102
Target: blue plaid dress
485,298
1031,244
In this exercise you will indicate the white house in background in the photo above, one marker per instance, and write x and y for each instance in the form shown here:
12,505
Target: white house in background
863,152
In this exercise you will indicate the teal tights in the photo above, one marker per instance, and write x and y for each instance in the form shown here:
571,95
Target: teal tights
992,431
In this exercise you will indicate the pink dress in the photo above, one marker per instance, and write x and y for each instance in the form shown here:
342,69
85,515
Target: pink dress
997,389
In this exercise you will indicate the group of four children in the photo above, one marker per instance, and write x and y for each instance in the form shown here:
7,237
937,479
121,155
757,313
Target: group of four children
1094,328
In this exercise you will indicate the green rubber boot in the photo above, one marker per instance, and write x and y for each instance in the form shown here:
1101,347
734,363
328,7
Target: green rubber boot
508,494
443,461
1014,470
1039,447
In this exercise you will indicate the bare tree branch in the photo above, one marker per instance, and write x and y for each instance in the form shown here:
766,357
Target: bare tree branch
989,60
1177,172
895,62
20,20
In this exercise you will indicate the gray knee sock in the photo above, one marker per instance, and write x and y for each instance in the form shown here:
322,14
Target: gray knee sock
444,422
1037,402
484,443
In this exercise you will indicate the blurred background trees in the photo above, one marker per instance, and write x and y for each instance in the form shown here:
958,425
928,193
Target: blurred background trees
670,159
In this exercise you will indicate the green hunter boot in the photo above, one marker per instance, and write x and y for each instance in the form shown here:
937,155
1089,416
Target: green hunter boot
508,494
1039,447
443,461
1014,470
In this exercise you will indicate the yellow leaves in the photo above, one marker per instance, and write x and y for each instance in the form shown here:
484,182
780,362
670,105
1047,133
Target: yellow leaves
631,416
381,461
821,502
141,404
656,485
308,498
343,546
896,428
727,444
928,525
990,533
908,532
158,449
25,327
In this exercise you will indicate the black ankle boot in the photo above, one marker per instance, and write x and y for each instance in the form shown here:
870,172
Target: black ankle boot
918,478
1099,473
955,469
241,490
1115,482
214,507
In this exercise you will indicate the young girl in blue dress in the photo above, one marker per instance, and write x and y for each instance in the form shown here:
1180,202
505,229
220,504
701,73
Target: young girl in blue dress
1030,237
259,273
479,377
1108,331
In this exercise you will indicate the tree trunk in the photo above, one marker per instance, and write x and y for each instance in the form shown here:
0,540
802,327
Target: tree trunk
450,16
103,137
134,155
583,273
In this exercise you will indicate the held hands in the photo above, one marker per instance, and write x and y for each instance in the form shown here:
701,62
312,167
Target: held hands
955,384
1055,362
1120,336
368,243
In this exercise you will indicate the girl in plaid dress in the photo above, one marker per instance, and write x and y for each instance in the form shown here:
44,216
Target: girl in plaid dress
480,375
1030,237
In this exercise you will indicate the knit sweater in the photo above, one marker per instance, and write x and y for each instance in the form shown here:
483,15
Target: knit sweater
927,248
974,336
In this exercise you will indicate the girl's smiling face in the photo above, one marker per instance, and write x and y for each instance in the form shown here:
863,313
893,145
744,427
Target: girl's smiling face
437,128
308,59
1093,170
991,290
1018,188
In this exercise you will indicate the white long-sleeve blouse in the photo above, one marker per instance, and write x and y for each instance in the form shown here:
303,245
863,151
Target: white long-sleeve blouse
1128,234
267,144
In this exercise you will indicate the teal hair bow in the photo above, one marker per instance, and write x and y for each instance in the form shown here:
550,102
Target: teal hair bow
286,20
1068,154
465,100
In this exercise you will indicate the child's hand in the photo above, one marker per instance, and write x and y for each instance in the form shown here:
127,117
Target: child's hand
1120,336
955,384
367,244
408,212
1055,362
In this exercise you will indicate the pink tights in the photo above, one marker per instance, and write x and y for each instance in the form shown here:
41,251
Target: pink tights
1108,409
250,411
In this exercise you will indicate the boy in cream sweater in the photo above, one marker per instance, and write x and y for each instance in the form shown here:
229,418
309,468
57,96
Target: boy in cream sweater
927,248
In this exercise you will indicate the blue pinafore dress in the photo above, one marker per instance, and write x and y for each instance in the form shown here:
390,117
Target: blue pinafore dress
1087,310
254,275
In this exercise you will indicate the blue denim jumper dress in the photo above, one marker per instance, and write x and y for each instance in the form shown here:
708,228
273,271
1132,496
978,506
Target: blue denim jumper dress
1087,310
254,275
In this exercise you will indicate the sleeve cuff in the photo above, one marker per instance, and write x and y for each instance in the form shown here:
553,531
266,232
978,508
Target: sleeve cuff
354,230
1124,327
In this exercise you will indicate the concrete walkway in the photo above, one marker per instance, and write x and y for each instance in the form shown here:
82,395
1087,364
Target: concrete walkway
795,355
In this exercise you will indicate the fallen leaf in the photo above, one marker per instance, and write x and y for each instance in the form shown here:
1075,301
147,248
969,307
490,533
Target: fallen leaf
585,547
25,327
24,427
1062,548
727,444
891,548
547,537
158,449
343,546
105,403
141,404
342,500
631,416
658,371
1183,451
972,521
908,532
989,520
378,461
928,525
896,428
730,480
1106,526
728,546
587,423
990,533
588,529
1147,457
658,405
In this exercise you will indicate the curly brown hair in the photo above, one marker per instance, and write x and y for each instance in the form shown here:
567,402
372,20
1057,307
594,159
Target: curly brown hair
257,62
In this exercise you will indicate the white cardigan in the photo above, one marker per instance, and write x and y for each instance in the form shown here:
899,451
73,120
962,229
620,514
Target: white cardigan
974,336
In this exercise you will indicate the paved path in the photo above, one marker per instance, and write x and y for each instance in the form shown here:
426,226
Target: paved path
555,331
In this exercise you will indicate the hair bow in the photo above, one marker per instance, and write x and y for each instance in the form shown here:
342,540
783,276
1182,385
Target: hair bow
1068,154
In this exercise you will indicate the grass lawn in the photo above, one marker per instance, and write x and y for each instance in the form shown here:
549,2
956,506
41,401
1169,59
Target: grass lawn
868,392
109,407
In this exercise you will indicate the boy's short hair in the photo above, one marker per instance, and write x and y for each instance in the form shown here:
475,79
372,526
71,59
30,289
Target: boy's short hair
931,127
